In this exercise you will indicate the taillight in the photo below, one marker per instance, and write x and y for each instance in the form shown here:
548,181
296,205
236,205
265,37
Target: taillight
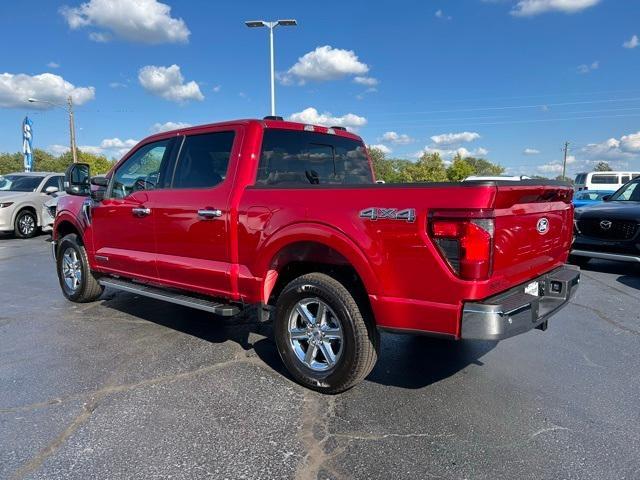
465,241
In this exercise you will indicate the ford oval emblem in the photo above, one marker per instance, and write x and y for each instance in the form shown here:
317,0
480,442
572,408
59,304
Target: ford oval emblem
543,226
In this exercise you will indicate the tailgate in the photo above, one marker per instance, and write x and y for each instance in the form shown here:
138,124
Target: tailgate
533,229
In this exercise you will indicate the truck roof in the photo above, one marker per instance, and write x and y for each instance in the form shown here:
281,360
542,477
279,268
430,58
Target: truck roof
263,123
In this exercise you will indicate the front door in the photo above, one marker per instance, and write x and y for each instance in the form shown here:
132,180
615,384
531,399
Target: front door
123,227
192,217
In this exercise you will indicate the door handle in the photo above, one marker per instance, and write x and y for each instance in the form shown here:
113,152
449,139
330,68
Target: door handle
209,213
141,211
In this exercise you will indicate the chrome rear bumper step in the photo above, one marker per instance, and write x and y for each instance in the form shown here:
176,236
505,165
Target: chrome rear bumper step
171,296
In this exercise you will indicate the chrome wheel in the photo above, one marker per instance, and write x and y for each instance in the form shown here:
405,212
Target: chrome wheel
71,269
315,334
27,224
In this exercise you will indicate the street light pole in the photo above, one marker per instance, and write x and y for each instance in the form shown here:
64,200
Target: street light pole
72,125
273,73
271,25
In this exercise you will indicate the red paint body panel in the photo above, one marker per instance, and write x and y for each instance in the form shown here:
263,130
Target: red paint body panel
410,284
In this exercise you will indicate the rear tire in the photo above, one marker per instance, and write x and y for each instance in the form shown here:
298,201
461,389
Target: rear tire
336,350
76,280
580,261
26,224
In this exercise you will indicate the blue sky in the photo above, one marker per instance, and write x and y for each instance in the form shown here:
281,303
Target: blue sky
508,80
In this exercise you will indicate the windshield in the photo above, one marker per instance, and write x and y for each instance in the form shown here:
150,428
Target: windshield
19,183
629,192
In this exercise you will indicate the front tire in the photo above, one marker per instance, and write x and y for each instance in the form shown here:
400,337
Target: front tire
76,280
26,224
325,339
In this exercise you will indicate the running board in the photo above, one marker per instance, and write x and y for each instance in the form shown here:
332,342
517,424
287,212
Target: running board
171,296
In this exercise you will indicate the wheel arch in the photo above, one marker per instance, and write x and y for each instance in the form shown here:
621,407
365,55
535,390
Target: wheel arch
303,248
26,206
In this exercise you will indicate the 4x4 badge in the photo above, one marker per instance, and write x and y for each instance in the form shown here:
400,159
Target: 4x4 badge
375,213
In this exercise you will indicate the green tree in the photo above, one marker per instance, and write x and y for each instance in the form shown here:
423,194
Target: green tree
11,162
602,167
484,167
459,169
429,168
45,162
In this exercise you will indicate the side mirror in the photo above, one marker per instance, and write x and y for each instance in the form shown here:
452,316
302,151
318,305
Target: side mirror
51,189
100,181
76,179
606,198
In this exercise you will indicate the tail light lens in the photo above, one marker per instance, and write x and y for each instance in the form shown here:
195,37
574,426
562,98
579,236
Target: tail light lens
465,241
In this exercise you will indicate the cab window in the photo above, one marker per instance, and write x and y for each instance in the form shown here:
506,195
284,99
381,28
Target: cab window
204,160
312,158
142,170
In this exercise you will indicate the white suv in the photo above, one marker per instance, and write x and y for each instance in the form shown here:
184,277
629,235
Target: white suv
22,199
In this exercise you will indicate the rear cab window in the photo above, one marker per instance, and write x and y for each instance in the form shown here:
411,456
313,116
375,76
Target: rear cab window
294,157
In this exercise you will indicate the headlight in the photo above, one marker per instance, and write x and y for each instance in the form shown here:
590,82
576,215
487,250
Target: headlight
6,204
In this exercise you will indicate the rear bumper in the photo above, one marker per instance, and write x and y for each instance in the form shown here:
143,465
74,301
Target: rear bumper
618,257
514,311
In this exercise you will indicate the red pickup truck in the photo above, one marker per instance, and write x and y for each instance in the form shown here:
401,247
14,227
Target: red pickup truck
288,217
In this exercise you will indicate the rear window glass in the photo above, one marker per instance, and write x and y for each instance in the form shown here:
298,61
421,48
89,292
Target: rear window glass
580,178
604,179
203,160
311,158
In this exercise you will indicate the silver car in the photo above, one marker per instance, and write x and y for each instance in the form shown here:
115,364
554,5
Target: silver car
22,199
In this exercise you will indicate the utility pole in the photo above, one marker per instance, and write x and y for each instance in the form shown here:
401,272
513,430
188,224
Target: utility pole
72,130
564,161
72,124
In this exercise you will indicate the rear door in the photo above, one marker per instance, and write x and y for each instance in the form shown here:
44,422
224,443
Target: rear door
533,229
192,218
123,222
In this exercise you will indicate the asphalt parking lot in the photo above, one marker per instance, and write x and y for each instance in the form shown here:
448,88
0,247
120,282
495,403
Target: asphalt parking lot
131,388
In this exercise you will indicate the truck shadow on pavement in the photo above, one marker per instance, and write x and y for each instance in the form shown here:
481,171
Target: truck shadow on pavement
626,273
405,361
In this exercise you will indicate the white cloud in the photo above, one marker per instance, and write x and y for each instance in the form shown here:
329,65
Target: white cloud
379,146
622,149
144,21
324,63
168,83
633,42
530,151
166,126
440,14
216,88
448,153
397,138
16,89
551,167
368,81
584,68
53,65
100,37
311,116
117,85
448,139
528,8
113,148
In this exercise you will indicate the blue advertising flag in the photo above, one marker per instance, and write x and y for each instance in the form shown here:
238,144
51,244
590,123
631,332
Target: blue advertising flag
27,143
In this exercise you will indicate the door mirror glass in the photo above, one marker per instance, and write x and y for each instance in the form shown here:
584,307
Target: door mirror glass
100,181
50,190
77,179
